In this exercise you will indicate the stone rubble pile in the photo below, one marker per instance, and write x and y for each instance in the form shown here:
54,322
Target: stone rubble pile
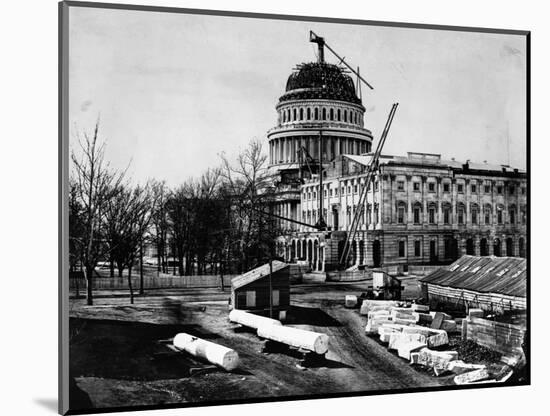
414,332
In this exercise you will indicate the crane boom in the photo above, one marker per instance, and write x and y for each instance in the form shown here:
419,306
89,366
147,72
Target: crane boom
321,42
352,231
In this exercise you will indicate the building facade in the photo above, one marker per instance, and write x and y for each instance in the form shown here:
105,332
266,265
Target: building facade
320,117
420,209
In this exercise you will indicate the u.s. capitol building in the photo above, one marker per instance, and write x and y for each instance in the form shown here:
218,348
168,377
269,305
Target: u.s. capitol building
420,208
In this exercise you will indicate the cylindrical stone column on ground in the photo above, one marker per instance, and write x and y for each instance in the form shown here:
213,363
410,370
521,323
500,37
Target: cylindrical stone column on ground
216,354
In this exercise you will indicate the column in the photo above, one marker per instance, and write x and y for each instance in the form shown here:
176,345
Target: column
290,149
439,205
423,194
468,197
454,194
408,184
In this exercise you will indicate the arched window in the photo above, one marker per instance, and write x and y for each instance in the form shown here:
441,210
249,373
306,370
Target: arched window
288,115
293,114
301,114
324,113
474,210
496,247
512,214
283,116
500,216
487,214
331,114
510,247
460,211
401,212
446,214
309,113
432,209
316,114
369,213
345,116
417,213
401,248
338,115
470,246
483,247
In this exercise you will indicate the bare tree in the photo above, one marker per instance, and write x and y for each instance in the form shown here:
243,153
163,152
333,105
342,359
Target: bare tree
160,224
127,219
182,211
93,182
248,184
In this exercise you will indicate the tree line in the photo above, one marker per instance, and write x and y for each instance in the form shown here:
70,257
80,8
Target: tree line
214,223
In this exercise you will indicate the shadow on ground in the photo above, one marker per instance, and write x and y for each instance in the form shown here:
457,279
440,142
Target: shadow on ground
129,350
300,315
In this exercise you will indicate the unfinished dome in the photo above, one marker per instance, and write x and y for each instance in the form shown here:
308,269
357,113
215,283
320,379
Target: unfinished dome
320,80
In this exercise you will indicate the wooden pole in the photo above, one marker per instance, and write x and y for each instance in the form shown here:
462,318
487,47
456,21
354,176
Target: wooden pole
141,267
270,286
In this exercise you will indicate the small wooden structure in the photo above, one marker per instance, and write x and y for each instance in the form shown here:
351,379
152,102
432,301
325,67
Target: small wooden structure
263,292
385,285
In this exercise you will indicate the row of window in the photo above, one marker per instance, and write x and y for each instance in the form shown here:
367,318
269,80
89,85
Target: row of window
461,215
311,192
305,114
369,215
460,188
417,248
451,250
308,194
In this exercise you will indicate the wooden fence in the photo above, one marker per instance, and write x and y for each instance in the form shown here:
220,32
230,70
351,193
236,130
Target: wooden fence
153,282
498,336
349,276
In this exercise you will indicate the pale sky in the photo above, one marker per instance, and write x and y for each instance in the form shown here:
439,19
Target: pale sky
174,91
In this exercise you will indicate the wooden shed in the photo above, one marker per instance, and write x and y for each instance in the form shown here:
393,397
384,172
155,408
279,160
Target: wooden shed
251,291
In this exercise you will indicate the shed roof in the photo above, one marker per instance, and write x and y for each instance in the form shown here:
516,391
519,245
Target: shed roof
504,275
257,273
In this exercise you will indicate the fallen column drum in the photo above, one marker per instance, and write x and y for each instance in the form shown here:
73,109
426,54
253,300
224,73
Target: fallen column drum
299,338
216,354
251,320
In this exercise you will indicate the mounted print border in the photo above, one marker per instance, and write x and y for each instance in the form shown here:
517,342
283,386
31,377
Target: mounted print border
259,208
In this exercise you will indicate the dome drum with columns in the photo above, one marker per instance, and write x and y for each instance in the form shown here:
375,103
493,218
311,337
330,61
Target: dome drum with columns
320,98
320,113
